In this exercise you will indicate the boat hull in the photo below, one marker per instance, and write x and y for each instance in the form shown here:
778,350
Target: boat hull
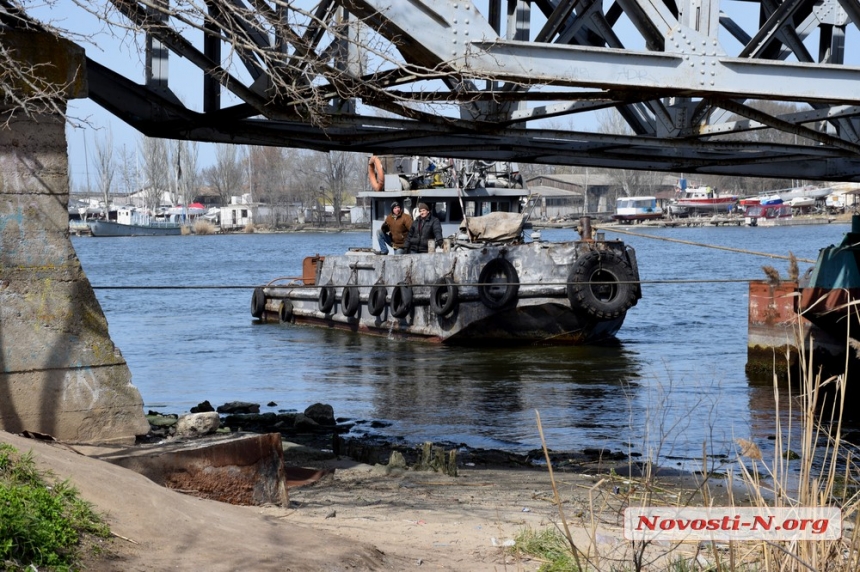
831,299
637,217
110,228
787,221
541,311
722,204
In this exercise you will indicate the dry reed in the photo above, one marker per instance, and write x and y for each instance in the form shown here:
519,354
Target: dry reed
822,474
203,227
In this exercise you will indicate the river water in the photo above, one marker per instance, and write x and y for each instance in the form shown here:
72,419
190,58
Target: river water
674,380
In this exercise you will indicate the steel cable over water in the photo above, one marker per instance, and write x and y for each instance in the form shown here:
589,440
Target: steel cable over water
419,285
273,283
728,248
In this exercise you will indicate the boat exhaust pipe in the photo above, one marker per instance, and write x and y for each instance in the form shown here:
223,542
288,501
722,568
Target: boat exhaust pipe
585,228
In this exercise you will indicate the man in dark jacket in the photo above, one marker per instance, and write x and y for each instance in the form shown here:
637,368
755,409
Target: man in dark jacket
394,230
424,229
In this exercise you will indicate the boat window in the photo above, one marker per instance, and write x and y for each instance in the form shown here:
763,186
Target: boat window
456,214
488,207
441,210
471,208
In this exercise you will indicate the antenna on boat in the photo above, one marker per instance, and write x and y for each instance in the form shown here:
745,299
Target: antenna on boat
460,197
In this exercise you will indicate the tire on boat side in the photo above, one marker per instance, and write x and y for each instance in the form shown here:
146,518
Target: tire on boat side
489,294
258,302
605,301
443,296
401,300
285,312
376,300
350,301
325,302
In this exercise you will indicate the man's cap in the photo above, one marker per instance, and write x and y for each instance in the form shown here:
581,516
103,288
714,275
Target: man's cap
394,204
423,206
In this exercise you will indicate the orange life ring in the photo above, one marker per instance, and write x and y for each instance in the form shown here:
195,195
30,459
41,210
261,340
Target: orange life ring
375,173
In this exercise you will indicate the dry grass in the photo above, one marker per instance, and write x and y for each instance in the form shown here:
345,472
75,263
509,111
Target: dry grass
203,227
812,466
250,228
772,275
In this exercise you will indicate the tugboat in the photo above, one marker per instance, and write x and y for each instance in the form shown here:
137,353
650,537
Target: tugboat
482,284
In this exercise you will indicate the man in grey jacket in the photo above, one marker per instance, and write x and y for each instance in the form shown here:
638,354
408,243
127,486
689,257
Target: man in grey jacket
424,229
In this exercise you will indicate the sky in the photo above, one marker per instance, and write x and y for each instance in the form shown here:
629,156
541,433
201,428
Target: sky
90,123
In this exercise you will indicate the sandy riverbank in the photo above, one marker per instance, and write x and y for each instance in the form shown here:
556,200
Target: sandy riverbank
356,517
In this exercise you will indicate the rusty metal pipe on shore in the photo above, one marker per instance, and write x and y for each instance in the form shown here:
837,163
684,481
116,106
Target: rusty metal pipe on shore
585,228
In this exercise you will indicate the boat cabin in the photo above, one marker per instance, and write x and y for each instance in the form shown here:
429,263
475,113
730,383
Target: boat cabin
484,189
756,213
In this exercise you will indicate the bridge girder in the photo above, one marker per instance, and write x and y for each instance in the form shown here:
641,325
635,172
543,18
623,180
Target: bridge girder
704,91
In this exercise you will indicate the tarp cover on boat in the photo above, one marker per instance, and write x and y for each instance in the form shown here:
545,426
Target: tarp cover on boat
494,227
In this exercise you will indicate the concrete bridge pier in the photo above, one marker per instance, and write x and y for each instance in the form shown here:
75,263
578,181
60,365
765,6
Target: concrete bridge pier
60,373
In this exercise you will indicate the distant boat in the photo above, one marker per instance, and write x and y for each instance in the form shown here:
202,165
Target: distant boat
779,214
807,192
798,202
705,200
632,209
131,222
767,214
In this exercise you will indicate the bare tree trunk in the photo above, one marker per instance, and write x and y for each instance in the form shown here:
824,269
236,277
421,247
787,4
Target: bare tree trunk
156,171
105,167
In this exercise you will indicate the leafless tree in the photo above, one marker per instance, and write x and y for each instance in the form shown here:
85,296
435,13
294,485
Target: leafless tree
271,181
128,170
191,171
186,174
338,176
105,167
156,170
228,174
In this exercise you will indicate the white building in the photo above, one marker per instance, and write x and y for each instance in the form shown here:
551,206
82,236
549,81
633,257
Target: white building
239,213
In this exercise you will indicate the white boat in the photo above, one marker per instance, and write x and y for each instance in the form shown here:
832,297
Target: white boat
482,284
632,209
805,192
132,222
801,202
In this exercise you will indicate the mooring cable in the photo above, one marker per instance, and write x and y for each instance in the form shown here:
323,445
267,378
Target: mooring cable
432,284
691,243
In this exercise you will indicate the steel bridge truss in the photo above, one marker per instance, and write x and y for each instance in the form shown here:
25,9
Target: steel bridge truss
757,88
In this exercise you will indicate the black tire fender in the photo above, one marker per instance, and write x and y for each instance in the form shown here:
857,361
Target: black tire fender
443,296
376,299
609,300
401,300
285,312
258,302
350,301
489,294
325,302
